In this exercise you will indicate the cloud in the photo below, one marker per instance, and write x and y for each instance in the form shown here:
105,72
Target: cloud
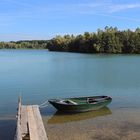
117,8
22,36
108,6
118,17
105,7
27,10
15,9
16,2
14,12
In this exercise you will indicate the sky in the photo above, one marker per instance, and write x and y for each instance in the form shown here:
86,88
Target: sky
44,19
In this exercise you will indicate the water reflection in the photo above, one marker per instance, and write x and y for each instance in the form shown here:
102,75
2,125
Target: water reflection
60,117
7,129
7,117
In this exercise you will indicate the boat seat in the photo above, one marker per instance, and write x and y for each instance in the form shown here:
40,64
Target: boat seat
72,102
68,102
91,100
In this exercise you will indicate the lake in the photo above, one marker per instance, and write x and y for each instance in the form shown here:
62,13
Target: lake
38,75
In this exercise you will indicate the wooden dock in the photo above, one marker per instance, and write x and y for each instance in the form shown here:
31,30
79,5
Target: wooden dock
29,123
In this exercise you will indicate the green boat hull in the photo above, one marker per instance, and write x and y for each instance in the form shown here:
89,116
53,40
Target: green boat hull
81,104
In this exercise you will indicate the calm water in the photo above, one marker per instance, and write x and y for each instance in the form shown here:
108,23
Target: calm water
39,75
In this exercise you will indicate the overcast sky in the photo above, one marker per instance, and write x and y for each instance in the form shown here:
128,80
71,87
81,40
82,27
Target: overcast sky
43,19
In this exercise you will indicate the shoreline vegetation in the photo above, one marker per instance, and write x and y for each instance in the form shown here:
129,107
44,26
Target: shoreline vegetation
109,40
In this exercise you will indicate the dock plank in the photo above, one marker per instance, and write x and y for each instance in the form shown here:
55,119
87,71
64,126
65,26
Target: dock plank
18,135
39,123
32,124
24,121
29,123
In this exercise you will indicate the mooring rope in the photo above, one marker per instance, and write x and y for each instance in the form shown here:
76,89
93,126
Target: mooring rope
44,104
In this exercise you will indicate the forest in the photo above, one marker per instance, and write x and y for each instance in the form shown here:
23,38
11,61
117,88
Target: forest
108,40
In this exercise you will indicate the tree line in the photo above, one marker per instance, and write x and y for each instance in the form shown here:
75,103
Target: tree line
26,44
108,40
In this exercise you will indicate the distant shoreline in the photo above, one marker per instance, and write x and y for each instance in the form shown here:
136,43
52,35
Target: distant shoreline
107,41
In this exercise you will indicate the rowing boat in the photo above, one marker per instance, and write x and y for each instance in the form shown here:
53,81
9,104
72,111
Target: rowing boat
80,104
